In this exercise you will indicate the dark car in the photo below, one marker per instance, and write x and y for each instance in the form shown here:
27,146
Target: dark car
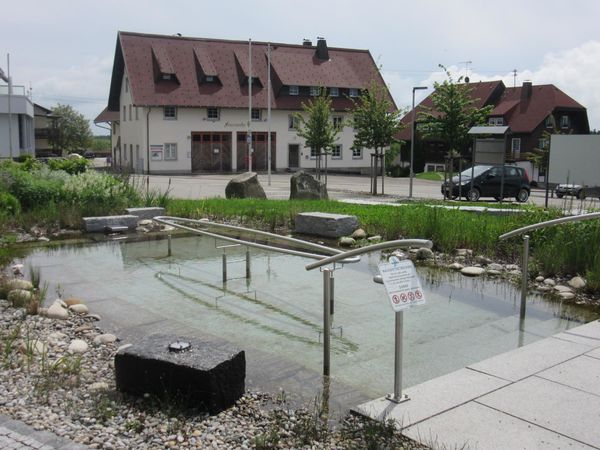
489,182
577,190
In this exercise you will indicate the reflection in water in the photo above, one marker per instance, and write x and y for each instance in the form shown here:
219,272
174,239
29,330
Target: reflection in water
279,309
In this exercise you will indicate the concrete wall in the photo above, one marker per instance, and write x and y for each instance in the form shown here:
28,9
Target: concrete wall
21,106
575,158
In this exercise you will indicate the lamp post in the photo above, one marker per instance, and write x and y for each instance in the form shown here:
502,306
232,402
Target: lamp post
412,139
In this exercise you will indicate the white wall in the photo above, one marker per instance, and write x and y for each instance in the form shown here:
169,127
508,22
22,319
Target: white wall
575,158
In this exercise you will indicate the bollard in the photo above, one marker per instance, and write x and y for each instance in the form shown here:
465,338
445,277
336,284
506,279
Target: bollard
327,278
525,275
331,299
247,263
224,267
169,245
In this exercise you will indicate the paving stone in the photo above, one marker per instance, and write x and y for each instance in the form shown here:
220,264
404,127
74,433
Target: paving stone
582,373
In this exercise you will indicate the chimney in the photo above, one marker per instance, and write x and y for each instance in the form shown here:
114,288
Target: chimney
526,90
322,52
306,42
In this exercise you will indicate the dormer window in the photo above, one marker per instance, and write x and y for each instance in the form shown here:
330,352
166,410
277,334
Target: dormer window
353,92
549,121
314,91
334,92
256,116
294,90
564,121
210,79
166,76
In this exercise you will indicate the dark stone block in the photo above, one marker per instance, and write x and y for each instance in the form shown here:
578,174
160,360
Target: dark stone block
325,224
245,185
208,376
304,187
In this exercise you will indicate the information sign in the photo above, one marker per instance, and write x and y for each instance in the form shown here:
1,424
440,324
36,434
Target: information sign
402,284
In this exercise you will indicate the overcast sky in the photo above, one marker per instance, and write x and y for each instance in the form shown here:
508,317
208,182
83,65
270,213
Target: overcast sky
65,49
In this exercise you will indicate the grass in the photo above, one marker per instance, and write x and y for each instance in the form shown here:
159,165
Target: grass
433,176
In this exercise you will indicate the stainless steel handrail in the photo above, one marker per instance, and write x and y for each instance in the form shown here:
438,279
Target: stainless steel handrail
370,248
549,223
172,221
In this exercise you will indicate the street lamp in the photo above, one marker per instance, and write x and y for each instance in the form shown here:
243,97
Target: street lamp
412,139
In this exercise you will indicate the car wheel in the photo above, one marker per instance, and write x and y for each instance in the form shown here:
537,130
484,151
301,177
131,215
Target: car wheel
473,195
558,195
581,194
523,195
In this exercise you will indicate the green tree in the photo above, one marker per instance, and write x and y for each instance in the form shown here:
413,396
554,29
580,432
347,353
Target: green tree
452,115
376,123
315,126
72,130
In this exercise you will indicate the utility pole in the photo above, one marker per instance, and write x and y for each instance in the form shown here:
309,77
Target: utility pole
8,79
249,136
269,112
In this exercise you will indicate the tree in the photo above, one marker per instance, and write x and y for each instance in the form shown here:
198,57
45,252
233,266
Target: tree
72,130
376,123
315,125
452,115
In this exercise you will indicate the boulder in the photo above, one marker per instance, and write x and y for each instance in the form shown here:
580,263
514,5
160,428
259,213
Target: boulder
346,241
483,260
562,288
472,271
566,295
374,239
456,266
576,282
19,297
304,187
102,223
245,185
539,279
424,253
73,301
105,339
79,308
495,266
57,311
549,282
77,346
359,234
464,252
325,224
207,374
146,213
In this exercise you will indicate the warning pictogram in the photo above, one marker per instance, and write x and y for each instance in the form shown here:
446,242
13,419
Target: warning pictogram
395,299
418,294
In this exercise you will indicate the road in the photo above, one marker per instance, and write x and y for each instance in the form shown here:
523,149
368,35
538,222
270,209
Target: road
339,187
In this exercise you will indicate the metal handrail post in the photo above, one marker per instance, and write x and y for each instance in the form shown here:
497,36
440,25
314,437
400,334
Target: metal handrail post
327,278
398,396
224,267
247,263
169,245
525,275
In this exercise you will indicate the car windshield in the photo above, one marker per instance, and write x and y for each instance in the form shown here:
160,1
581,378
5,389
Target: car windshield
477,170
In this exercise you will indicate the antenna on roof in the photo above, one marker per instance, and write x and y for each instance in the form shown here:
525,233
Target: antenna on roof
466,63
514,77
177,34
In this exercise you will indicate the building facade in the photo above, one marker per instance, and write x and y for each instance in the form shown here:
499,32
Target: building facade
181,105
20,131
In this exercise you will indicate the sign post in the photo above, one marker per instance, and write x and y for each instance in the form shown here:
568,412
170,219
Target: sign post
404,290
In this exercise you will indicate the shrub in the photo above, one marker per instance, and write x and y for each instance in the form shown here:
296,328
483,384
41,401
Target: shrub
9,204
71,166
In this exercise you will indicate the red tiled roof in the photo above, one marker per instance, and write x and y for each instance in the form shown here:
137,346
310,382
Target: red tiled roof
228,60
107,116
527,114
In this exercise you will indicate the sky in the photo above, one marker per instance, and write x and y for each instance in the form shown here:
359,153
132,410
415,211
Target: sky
64,50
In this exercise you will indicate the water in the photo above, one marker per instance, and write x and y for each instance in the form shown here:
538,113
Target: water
279,310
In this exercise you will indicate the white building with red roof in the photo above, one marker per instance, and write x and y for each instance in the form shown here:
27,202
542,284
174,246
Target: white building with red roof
181,105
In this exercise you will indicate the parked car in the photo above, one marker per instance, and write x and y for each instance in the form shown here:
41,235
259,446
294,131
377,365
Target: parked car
487,182
577,190
89,154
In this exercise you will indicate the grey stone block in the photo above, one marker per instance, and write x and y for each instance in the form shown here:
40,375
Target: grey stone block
304,187
145,213
209,375
325,224
98,224
245,185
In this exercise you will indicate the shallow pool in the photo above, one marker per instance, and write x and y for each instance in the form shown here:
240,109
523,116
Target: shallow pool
279,309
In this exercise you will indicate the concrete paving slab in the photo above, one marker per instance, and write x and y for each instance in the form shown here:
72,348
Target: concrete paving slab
594,353
563,409
528,360
578,339
492,429
590,330
581,373
433,397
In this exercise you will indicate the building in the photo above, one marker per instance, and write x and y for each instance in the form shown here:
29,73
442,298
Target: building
21,119
45,132
180,104
529,111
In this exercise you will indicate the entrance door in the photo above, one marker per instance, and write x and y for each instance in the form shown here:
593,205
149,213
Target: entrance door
211,152
293,156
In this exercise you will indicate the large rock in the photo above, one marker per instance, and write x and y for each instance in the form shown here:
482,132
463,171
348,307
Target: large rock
99,224
57,311
304,187
245,185
146,213
472,271
577,283
208,374
19,297
325,224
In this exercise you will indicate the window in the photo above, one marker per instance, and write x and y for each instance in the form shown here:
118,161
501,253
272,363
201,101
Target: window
543,143
516,147
170,112
137,113
212,113
209,78
292,122
314,91
125,152
336,152
564,121
337,122
549,122
353,92
166,76
124,113
496,121
334,92
170,152
129,112
294,90
313,153
357,153
256,114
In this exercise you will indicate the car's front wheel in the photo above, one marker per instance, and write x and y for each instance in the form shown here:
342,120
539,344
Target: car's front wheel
581,194
473,195
559,195
523,195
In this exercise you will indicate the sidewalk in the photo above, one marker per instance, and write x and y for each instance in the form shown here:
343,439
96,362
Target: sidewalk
544,395
17,435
